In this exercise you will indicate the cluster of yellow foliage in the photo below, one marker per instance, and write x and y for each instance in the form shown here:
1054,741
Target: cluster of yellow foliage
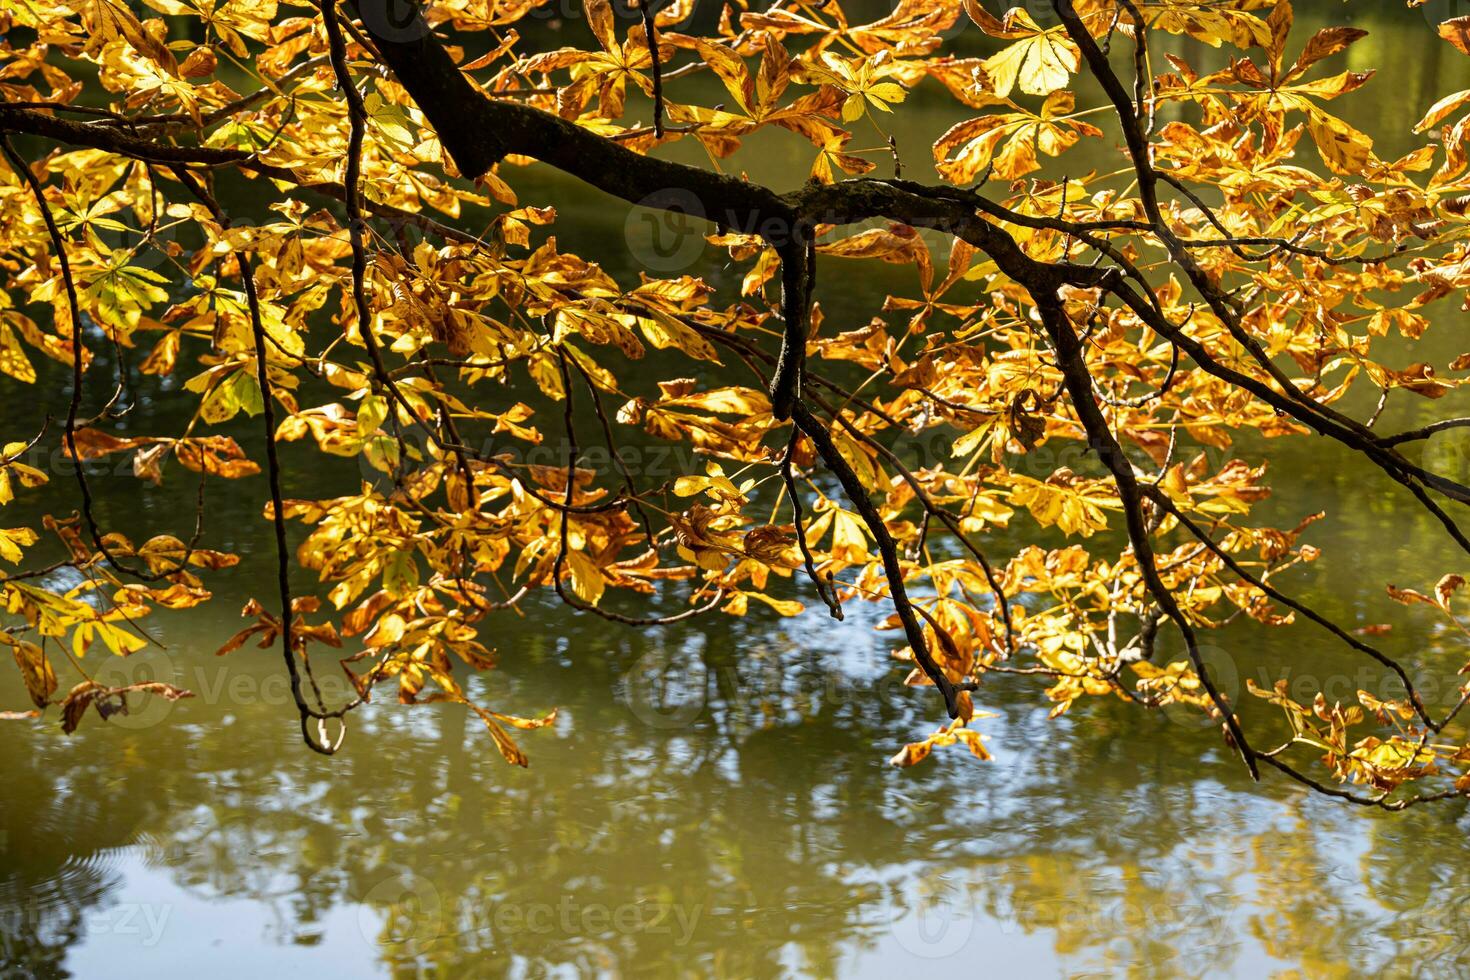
1223,279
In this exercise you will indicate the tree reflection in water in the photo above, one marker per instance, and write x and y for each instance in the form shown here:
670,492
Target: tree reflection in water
762,837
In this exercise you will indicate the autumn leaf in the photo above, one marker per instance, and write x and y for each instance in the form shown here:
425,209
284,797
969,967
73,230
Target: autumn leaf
1039,61
1457,31
954,733
35,669
587,580
108,701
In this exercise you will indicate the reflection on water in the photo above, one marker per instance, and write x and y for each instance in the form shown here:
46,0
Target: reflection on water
758,835
714,799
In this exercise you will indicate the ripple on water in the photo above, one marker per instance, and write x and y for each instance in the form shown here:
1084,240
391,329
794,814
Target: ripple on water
56,861
81,880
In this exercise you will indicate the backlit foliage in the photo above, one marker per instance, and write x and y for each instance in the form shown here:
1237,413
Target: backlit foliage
405,312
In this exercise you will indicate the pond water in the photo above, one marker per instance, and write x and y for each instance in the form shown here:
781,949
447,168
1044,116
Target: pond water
715,799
